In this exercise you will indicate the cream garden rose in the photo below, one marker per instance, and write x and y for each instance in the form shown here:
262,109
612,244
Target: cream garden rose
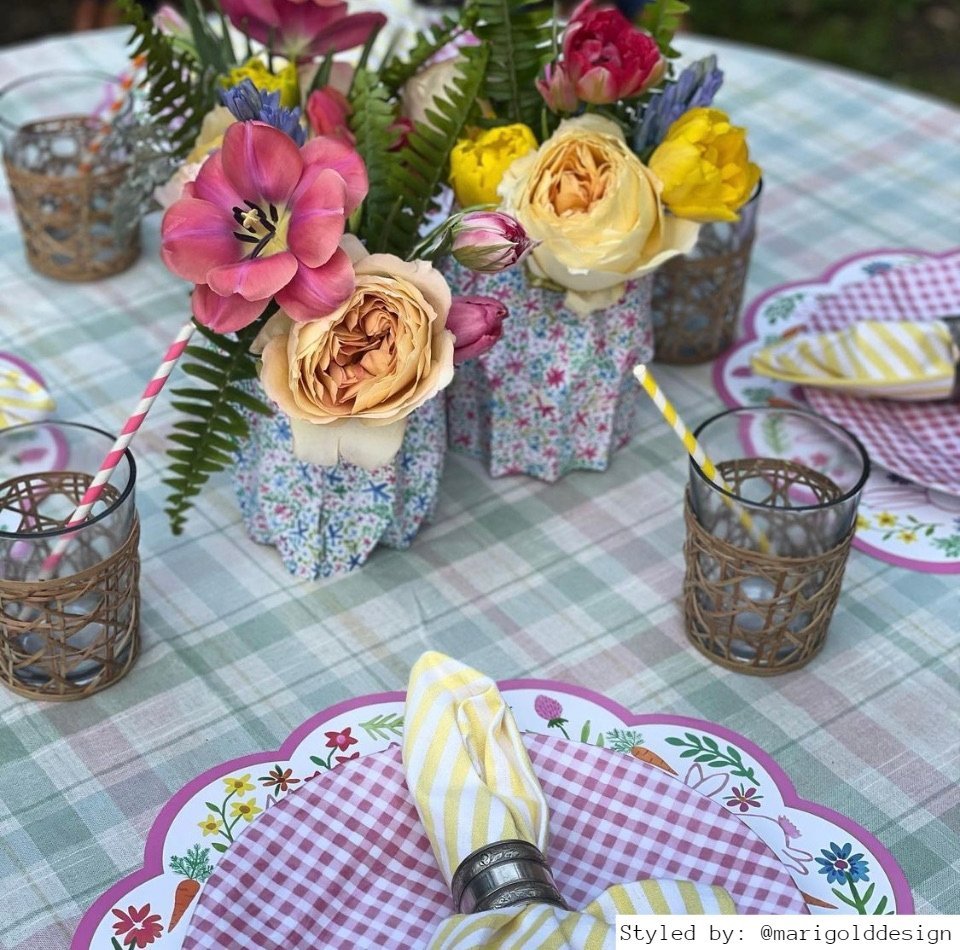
595,208
349,379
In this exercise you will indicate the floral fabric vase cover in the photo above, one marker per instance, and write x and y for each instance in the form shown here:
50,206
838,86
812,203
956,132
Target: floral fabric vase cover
556,393
326,520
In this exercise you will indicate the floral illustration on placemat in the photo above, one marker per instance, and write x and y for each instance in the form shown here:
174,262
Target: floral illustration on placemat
851,874
136,926
195,868
842,867
218,822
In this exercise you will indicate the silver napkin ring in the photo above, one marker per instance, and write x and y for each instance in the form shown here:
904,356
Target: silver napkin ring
504,874
953,325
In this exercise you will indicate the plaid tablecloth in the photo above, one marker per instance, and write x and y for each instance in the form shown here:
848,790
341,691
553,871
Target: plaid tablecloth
577,581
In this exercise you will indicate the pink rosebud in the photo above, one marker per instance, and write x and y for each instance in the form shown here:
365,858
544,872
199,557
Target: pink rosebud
327,110
489,241
557,89
476,323
547,708
606,57
401,127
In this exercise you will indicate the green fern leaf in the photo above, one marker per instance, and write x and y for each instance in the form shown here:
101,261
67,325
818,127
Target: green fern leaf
421,166
204,441
177,84
370,122
661,19
521,36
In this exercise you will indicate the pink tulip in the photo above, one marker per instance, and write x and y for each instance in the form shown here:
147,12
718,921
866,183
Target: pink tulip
476,323
557,89
264,220
328,110
302,29
489,241
606,57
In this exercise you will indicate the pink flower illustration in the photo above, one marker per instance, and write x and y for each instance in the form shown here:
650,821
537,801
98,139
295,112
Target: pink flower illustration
546,707
264,219
137,926
743,799
340,740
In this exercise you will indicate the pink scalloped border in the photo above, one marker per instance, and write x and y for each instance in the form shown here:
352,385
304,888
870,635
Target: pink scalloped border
153,851
750,333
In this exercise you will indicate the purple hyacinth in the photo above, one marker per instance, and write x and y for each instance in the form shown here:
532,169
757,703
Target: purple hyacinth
246,102
696,86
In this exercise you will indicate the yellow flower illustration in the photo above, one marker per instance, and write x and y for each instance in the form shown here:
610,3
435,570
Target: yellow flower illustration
234,786
477,163
863,522
210,825
285,81
907,536
245,810
886,520
705,167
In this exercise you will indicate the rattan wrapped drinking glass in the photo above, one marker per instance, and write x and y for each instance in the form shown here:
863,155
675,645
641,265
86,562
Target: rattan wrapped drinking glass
75,632
765,561
65,164
697,298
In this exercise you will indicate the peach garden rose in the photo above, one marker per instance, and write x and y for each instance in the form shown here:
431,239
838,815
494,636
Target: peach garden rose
349,380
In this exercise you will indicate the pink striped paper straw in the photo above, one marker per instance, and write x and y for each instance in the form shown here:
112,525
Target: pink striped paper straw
112,460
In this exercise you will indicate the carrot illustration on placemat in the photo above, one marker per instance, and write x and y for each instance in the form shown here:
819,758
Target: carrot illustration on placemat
196,868
630,742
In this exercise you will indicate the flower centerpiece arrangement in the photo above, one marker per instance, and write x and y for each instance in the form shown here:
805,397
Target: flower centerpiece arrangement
303,210
611,159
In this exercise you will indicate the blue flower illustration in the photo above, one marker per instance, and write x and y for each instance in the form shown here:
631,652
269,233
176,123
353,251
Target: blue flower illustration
841,867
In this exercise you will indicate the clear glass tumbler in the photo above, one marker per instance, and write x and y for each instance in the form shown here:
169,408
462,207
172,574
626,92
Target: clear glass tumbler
765,559
69,626
66,154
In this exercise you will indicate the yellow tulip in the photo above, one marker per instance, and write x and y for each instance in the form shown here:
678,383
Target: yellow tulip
285,81
705,167
477,164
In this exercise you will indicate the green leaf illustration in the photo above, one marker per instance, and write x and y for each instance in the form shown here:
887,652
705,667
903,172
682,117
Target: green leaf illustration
707,751
384,726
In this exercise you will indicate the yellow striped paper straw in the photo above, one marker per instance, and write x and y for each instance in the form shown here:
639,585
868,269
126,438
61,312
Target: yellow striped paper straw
694,450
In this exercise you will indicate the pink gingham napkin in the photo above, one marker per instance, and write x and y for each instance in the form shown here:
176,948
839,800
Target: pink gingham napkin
344,861
919,441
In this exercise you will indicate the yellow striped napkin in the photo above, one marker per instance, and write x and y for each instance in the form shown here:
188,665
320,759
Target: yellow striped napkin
473,784
907,361
22,399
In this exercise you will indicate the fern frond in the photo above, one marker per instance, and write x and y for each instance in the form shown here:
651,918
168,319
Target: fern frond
423,162
371,121
521,37
205,441
213,50
661,19
397,71
178,86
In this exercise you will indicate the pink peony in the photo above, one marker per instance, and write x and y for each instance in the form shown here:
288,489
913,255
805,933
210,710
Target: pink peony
302,29
262,220
606,57
476,323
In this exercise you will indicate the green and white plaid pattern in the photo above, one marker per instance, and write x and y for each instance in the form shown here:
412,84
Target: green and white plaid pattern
577,581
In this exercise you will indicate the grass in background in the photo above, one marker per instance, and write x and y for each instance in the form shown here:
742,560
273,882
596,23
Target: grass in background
913,43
